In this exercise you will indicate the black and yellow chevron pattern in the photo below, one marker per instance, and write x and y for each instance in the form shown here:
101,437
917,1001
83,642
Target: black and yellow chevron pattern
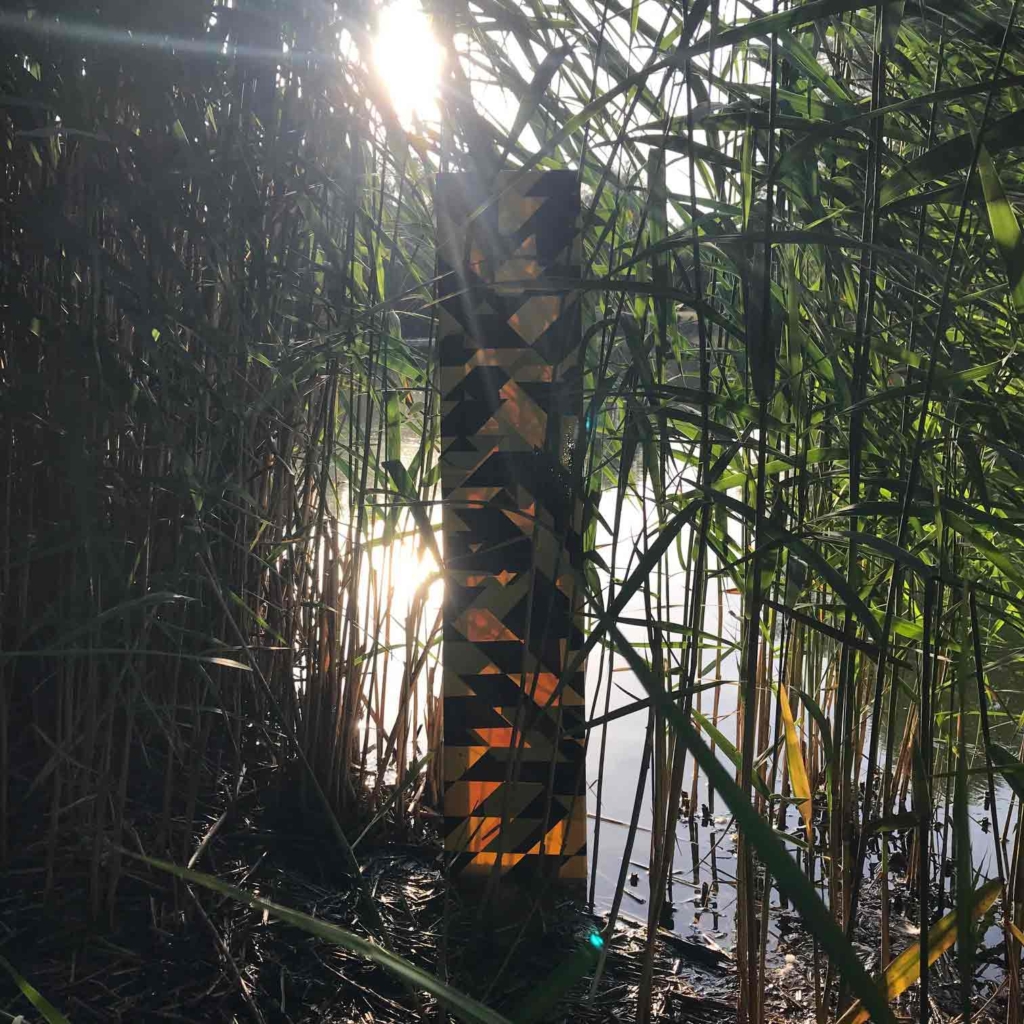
509,338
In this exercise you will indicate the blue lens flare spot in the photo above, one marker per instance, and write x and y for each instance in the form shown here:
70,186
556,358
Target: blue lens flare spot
596,941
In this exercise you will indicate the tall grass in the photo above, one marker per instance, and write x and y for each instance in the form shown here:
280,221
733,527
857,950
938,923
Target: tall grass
198,349
803,288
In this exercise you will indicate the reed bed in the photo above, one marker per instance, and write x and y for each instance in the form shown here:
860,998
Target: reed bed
803,284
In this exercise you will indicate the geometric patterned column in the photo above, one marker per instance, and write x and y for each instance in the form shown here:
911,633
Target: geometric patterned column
511,398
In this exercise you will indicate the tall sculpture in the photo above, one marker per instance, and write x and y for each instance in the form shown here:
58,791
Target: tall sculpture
509,340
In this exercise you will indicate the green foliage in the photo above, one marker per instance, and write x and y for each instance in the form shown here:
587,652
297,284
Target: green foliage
802,301
49,1012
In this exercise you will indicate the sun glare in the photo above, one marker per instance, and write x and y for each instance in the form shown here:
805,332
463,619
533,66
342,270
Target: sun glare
409,60
411,568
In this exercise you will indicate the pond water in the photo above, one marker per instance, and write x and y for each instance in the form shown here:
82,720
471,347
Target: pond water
701,897
700,902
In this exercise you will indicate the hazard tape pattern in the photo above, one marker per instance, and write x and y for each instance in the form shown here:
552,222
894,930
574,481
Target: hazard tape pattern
509,339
